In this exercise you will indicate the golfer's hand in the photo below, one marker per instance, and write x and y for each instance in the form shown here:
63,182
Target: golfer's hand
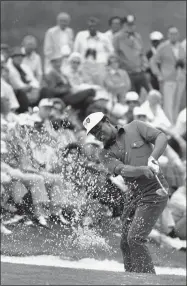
153,164
148,172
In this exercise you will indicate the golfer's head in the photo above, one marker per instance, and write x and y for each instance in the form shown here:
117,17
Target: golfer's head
99,125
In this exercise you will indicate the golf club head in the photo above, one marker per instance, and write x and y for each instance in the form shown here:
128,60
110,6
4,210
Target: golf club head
161,192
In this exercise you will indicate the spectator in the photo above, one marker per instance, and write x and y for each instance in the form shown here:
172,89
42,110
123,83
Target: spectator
94,40
156,38
154,111
128,46
5,51
140,114
93,72
168,64
131,101
116,80
115,24
183,44
58,85
73,70
21,77
16,164
32,59
7,90
180,126
57,38
177,206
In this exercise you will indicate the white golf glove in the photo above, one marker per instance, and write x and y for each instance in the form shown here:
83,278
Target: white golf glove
153,164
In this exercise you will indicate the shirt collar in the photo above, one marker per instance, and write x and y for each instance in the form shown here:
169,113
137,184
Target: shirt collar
97,37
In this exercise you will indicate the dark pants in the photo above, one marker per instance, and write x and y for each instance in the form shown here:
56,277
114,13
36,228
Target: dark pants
143,213
23,101
139,80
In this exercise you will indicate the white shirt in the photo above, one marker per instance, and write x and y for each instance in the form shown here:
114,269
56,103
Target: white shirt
35,64
7,91
15,78
180,126
157,120
183,44
55,41
100,43
175,49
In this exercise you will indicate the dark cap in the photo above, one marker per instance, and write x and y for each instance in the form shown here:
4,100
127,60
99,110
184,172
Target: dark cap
17,51
4,46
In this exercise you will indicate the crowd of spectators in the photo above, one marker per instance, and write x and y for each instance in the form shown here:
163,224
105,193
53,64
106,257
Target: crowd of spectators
49,168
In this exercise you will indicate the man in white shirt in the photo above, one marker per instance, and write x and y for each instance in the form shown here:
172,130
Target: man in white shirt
32,59
115,24
22,80
94,40
56,38
168,64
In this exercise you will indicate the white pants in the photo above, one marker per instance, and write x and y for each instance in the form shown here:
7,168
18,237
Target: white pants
172,96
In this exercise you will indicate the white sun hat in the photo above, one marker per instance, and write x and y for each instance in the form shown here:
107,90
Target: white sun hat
139,111
45,102
156,36
92,120
132,96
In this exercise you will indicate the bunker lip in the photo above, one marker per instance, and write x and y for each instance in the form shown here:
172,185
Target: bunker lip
86,263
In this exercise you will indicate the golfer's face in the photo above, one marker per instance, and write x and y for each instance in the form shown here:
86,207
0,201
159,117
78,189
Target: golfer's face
102,132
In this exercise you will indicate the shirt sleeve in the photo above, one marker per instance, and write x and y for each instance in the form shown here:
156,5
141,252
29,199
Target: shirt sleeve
113,165
148,132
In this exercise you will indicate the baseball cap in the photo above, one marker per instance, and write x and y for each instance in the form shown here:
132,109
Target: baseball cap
92,120
17,51
156,36
45,102
132,96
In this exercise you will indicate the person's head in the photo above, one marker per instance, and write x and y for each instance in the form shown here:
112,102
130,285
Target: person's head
5,105
45,107
99,125
29,44
173,35
129,24
113,62
132,100
115,23
156,38
57,108
139,114
17,56
93,25
75,61
56,62
63,20
154,98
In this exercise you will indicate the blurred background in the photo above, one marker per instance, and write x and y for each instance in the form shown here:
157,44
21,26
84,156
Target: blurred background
19,18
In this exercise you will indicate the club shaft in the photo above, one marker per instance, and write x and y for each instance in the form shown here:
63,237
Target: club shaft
158,180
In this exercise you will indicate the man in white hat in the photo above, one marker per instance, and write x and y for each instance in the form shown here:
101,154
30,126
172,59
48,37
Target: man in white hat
156,38
128,152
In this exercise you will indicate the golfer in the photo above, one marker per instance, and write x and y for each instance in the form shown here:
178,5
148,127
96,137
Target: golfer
132,151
